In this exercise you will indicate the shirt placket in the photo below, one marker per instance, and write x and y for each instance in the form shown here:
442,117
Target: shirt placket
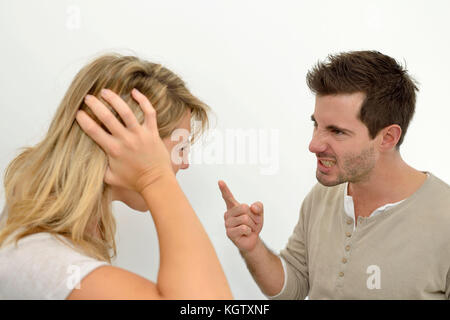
348,235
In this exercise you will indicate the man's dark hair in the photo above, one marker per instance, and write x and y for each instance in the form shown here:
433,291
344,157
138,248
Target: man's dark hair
390,91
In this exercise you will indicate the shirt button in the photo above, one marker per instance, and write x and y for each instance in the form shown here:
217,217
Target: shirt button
347,248
341,274
344,260
349,221
348,234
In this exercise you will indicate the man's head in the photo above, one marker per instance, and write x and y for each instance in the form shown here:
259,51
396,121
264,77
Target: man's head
364,103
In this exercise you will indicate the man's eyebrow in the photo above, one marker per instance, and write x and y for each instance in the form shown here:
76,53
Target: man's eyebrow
336,128
333,127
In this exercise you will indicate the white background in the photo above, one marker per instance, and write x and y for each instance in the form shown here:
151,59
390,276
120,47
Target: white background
248,61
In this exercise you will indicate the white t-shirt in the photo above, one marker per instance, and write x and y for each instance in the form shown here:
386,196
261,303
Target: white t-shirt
41,267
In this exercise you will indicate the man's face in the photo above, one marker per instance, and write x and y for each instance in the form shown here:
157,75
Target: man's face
341,142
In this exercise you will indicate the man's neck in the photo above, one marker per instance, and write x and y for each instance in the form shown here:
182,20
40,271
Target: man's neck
390,181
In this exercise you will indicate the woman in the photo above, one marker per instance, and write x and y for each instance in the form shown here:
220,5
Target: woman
57,234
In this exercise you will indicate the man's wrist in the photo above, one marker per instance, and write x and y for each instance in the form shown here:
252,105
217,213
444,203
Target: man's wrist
255,252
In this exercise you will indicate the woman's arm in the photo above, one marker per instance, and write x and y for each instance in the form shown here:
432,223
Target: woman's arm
138,160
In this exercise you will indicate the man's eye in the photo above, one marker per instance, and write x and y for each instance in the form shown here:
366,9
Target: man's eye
338,132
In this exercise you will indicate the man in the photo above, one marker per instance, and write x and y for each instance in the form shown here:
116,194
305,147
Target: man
373,227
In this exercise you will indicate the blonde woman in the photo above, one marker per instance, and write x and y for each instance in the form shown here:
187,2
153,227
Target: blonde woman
57,230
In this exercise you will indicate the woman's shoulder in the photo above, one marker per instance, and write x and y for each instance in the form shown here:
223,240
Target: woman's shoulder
42,266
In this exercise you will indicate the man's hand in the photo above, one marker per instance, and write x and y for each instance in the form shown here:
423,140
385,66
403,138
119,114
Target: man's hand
243,223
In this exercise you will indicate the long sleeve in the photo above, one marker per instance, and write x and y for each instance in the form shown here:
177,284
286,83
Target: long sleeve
296,284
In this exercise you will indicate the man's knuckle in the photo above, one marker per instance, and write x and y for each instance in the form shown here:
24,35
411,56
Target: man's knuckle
244,207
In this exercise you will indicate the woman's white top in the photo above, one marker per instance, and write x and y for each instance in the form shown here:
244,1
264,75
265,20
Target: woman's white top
42,267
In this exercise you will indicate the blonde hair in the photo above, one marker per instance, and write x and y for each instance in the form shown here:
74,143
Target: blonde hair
57,186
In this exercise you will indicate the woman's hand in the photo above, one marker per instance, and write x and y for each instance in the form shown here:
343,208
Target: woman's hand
137,156
189,267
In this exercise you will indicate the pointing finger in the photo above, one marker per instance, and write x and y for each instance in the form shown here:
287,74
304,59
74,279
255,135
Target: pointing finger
230,201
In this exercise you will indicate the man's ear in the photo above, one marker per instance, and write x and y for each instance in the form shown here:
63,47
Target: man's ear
390,137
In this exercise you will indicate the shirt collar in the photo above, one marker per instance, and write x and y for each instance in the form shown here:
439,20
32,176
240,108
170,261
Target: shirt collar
350,209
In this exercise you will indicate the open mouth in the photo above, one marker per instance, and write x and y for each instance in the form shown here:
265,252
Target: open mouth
327,163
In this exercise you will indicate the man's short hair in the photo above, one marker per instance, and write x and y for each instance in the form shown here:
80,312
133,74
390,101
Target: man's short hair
390,92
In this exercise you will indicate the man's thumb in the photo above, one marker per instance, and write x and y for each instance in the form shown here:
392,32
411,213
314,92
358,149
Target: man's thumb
257,207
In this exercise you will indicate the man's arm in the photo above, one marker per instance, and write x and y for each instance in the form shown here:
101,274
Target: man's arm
266,269
243,225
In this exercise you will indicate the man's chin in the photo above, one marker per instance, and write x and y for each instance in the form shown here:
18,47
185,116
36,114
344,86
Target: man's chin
326,180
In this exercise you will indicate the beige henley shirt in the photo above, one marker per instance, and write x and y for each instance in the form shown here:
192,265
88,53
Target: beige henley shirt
402,252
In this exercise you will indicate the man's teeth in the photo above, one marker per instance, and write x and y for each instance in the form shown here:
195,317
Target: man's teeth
328,164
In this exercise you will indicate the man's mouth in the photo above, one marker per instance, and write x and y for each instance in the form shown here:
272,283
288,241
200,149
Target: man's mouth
327,163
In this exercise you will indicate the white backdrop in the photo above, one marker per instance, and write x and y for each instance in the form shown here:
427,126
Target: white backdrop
248,61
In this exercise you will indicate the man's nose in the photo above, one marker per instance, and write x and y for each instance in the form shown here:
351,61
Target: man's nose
318,143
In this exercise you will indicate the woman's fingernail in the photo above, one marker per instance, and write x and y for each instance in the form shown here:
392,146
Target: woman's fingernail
87,98
104,92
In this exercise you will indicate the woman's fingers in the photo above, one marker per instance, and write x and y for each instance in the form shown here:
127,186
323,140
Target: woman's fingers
121,107
147,108
132,149
93,130
105,116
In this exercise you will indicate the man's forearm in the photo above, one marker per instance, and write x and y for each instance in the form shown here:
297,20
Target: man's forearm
266,268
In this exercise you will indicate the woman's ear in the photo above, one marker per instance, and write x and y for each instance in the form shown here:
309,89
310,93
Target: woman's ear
390,137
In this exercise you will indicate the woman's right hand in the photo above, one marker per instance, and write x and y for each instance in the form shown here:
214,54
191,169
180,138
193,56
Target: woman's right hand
188,264
137,156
